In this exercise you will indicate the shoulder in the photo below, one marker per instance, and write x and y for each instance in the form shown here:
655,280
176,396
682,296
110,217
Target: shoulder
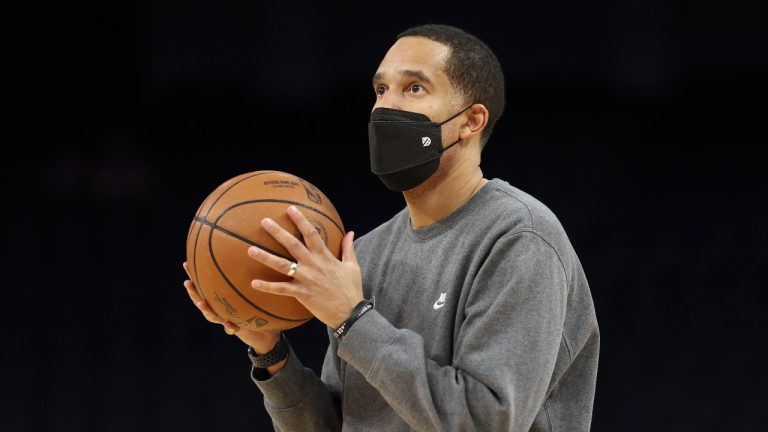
515,214
520,211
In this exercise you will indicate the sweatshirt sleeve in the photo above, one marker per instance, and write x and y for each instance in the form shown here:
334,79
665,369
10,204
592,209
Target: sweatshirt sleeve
504,354
297,400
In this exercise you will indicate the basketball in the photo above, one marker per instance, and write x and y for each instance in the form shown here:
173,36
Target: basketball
229,221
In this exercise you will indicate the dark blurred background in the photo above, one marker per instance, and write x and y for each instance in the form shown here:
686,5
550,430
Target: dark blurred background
638,122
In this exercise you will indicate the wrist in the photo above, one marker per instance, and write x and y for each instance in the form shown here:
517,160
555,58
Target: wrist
272,370
343,314
274,357
262,346
364,306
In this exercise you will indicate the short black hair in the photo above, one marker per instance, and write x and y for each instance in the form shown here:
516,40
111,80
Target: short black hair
471,67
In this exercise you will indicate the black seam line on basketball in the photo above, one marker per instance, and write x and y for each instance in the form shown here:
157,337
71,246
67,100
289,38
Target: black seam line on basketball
197,279
213,226
234,288
230,187
282,202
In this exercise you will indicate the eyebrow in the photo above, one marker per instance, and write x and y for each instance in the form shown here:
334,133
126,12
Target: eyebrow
421,76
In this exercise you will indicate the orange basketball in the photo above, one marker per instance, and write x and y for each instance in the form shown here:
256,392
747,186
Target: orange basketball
229,222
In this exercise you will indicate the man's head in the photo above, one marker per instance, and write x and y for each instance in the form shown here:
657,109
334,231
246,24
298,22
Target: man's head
438,70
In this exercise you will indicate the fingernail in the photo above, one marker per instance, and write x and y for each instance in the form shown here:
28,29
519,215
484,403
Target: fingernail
255,284
253,250
199,305
293,210
267,222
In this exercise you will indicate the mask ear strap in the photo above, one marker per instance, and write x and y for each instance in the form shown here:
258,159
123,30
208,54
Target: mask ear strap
456,115
450,145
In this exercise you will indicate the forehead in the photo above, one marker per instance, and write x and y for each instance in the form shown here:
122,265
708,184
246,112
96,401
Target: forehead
415,54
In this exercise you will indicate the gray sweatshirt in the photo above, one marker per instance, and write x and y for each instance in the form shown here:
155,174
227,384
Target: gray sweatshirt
483,321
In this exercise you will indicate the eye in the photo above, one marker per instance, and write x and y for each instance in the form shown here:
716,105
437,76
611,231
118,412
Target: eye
380,90
416,88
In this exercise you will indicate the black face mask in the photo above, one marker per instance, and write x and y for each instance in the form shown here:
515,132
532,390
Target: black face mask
405,147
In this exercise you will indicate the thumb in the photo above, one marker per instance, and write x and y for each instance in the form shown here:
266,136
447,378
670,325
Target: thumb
348,248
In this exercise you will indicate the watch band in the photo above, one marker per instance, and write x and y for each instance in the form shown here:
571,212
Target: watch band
278,354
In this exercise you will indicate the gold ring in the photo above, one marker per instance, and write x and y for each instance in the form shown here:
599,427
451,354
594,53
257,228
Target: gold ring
292,270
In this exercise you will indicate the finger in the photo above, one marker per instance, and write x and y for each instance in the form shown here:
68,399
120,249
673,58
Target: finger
293,245
201,304
186,268
348,248
280,265
192,291
230,328
208,313
279,288
312,237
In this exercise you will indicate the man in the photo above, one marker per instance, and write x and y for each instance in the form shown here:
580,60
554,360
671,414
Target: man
471,312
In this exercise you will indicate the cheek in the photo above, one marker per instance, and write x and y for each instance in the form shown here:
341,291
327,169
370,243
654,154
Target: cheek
449,159
450,133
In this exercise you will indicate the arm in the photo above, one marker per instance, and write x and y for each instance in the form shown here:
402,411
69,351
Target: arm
297,400
329,288
504,355
293,395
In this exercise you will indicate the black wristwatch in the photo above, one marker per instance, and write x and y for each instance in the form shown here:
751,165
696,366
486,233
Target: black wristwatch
278,354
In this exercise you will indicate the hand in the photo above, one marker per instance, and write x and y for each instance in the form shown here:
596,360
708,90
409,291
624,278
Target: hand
261,341
330,289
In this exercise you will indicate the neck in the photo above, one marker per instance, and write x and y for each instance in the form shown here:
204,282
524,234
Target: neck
442,194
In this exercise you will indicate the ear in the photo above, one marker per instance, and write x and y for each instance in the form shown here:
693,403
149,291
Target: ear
476,120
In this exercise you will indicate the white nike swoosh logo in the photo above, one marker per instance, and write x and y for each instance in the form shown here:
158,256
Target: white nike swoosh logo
438,304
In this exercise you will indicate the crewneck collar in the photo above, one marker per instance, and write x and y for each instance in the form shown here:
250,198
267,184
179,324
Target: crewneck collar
446,223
